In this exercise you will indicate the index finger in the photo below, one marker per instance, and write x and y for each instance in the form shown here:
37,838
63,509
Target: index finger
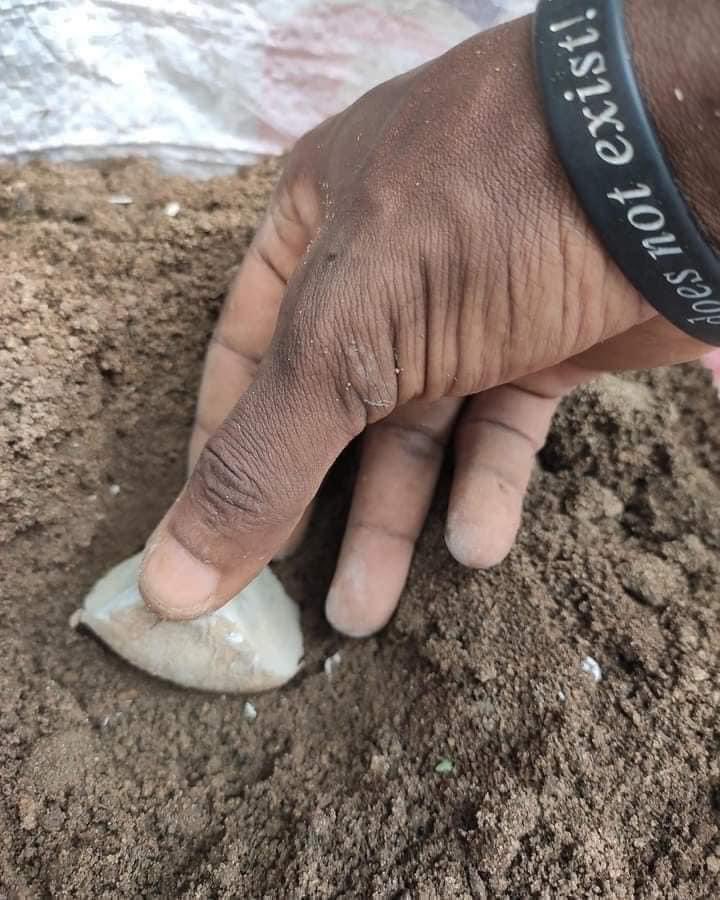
249,315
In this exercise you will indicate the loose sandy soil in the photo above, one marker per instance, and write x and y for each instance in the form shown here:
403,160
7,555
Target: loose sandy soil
116,785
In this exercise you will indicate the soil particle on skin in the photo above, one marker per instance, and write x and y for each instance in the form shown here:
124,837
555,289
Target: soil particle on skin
462,753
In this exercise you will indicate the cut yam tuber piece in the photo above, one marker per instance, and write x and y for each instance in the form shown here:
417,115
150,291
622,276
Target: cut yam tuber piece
253,643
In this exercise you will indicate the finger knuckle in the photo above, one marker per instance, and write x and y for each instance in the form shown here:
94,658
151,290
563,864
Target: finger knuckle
341,344
225,488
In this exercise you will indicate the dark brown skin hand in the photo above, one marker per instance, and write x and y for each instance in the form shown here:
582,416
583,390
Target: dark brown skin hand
424,277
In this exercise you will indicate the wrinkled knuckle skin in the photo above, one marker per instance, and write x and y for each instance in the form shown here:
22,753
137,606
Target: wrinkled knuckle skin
225,489
342,341
366,362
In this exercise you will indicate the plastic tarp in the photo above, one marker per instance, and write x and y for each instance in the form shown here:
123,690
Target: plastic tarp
205,85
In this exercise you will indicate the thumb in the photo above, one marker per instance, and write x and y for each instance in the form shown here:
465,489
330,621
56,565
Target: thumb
252,482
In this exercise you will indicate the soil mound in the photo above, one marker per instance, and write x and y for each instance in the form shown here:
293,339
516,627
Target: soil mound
466,752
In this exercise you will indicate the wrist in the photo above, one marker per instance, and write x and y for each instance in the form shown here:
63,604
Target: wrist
615,159
677,61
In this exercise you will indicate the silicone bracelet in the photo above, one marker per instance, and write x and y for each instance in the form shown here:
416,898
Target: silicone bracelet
610,150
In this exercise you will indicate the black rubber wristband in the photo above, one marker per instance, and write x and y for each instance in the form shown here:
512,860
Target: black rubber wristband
612,155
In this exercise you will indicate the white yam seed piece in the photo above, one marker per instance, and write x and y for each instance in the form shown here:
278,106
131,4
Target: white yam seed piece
252,644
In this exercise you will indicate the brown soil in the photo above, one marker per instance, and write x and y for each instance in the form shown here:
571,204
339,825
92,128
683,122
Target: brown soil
116,785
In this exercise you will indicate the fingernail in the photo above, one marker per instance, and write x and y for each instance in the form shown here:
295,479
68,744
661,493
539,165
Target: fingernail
174,583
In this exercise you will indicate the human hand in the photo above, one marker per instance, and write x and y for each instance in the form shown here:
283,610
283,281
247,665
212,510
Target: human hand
424,274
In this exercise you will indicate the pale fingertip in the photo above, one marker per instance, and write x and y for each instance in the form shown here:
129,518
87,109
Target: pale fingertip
346,621
352,607
474,545
174,583
290,547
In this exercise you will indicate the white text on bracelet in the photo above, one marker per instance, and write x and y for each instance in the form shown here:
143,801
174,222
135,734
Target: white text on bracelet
613,147
688,283
588,65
